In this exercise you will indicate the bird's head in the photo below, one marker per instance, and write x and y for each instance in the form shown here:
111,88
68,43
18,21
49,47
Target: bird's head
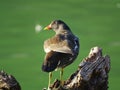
57,26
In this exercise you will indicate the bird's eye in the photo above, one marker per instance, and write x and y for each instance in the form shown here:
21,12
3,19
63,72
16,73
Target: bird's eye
54,25
55,22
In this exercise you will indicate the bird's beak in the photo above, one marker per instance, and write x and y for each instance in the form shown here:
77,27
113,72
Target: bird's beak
48,27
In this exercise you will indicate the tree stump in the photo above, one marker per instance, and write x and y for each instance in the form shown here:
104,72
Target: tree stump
92,73
8,82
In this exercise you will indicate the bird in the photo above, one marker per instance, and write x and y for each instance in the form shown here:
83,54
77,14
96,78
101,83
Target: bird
61,49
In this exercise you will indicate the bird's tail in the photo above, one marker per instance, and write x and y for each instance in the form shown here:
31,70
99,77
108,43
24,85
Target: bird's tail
51,61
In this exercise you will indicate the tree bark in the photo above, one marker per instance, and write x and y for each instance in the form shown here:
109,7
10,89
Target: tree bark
8,82
92,73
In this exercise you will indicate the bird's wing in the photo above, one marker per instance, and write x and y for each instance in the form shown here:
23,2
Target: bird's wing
57,44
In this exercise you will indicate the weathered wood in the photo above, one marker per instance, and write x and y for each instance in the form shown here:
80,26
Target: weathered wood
8,82
92,73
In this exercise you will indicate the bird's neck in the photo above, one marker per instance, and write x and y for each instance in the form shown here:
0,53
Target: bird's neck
62,32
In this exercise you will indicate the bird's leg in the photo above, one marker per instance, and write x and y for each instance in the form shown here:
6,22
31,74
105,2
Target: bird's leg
61,76
50,77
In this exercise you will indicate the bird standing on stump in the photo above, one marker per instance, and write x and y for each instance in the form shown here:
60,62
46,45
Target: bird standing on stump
61,49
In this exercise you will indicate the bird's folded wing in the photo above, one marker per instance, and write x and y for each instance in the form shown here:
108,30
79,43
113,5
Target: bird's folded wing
58,46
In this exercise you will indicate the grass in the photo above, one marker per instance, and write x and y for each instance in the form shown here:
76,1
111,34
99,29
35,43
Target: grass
95,22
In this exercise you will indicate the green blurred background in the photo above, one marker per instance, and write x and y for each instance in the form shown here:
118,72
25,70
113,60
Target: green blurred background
95,22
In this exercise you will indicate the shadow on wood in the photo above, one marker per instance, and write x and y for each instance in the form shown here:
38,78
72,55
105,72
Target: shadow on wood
92,73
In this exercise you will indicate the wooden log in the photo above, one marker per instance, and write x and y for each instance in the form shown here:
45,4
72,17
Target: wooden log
92,73
8,82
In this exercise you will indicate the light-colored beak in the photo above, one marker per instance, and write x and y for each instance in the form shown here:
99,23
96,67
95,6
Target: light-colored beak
48,27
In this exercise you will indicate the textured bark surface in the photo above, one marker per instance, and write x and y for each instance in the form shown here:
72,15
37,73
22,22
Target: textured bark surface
92,73
8,82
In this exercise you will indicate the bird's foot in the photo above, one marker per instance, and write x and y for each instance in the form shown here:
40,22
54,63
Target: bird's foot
57,84
61,83
48,88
